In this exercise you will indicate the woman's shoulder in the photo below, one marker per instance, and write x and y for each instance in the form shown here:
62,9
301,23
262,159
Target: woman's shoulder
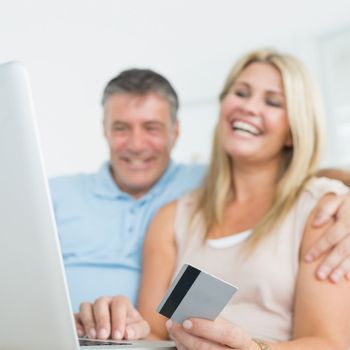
313,194
317,187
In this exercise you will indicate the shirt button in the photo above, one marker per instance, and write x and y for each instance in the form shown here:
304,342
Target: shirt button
130,229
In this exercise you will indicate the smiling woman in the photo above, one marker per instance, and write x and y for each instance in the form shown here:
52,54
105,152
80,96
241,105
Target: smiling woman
253,118
260,179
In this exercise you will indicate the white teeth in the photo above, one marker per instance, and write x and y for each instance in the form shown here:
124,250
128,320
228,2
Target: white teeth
136,161
243,126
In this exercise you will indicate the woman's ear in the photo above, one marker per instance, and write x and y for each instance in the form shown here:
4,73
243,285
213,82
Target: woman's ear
289,140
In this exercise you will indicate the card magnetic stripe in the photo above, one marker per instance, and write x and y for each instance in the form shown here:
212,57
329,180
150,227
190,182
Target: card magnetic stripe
179,292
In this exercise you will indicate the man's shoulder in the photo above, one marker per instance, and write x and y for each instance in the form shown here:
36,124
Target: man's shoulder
190,170
68,180
184,178
71,185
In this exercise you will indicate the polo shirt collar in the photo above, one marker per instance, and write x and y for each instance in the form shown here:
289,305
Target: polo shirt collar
105,186
161,184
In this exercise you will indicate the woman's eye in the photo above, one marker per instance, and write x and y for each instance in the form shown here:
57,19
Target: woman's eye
241,93
273,103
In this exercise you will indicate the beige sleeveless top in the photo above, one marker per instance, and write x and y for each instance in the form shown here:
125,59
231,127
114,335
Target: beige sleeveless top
263,306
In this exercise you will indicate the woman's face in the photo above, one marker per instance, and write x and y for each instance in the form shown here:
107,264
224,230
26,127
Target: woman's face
253,119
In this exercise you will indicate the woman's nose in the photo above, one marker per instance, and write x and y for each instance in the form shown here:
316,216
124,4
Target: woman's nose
253,105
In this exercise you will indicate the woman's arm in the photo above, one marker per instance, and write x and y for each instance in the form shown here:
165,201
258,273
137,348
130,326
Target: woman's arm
158,267
322,310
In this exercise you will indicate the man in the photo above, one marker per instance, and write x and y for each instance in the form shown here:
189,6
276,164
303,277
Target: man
102,217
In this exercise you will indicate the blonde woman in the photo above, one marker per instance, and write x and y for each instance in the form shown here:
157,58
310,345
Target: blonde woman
250,223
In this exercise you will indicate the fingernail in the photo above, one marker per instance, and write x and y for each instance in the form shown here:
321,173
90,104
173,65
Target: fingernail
323,273
80,332
168,324
92,333
187,324
309,257
130,333
317,220
102,334
336,276
117,335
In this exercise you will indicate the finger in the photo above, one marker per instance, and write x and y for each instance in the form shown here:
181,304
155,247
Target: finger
223,333
338,255
133,315
102,317
180,347
339,261
188,341
332,237
120,307
78,325
87,319
137,330
328,210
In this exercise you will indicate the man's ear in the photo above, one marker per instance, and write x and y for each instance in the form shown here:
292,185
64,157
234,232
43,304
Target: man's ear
104,126
176,132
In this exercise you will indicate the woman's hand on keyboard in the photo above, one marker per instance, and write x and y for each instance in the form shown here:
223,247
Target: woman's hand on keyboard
114,318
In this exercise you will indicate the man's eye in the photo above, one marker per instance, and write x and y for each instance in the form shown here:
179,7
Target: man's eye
153,127
118,128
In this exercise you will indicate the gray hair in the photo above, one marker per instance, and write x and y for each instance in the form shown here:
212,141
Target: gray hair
141,82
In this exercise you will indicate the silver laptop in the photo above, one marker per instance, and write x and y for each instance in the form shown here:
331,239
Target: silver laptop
35,312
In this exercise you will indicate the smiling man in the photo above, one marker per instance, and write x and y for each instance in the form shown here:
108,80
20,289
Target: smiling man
140,136
103,217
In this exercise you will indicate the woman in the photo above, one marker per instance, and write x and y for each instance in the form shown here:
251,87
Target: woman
250,222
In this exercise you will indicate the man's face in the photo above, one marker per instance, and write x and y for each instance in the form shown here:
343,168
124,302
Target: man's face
140,135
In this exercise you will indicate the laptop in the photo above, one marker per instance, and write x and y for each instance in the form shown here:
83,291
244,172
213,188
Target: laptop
35,311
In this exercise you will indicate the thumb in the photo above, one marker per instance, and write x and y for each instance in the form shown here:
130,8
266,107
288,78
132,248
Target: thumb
327,211
79,326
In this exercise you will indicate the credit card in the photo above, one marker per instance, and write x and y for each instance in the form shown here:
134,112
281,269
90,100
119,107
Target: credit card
195,293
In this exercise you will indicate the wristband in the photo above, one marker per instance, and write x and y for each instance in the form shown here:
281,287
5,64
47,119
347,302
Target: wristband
262,345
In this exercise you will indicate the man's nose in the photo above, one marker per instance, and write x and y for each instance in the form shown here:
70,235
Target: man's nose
137,141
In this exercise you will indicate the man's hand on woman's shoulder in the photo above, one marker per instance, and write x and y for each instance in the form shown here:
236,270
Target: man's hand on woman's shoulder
335,244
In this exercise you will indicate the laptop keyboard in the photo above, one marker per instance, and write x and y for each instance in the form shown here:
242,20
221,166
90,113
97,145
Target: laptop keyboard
89,342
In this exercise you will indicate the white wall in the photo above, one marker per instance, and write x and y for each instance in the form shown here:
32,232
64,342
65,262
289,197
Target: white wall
72,48
335,48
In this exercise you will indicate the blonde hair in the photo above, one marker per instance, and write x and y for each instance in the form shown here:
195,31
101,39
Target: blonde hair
305,116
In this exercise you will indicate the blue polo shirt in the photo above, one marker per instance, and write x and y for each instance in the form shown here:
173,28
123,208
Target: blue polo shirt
101,229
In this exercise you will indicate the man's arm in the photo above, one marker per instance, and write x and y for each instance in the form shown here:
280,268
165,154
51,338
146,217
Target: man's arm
335,243
116,317
337,174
